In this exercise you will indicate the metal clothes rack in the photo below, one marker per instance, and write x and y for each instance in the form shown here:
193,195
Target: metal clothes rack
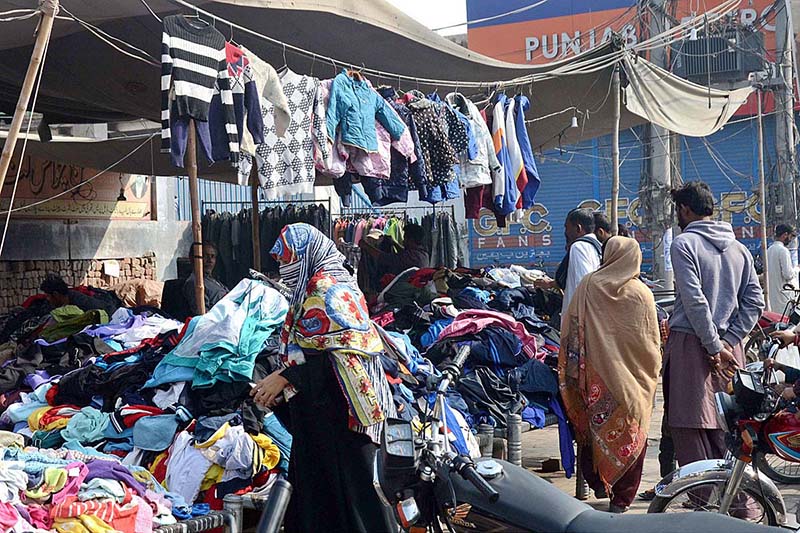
386,210
247,205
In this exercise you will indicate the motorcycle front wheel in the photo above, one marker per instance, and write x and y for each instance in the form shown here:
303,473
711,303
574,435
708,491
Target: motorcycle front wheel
706,496
778,469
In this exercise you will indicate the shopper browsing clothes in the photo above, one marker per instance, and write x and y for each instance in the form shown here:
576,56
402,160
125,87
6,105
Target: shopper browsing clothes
338,396
608,369
718,301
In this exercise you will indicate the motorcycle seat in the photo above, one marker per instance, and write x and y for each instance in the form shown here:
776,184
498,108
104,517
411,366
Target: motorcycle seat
591,521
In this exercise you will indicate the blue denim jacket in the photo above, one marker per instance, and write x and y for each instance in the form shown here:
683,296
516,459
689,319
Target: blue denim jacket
353,108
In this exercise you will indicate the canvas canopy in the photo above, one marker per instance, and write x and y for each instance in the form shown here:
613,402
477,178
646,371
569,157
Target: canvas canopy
86,79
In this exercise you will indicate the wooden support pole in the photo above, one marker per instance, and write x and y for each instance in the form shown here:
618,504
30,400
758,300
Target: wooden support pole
615,153
197,229
45,26
256,220
762,193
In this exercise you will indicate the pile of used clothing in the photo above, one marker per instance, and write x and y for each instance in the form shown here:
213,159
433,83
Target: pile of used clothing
134,421
513,357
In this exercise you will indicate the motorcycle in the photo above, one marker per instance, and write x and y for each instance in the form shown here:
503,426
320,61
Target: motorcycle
771,321
757,423
429,487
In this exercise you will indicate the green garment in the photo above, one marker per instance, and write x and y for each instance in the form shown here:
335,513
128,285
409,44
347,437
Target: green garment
47,439
394,229
71,319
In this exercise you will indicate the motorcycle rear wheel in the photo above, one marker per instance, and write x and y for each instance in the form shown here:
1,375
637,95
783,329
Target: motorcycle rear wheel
706,497
778,469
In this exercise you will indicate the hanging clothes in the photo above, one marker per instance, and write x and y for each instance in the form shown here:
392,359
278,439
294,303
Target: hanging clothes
246,101
193,62
268,85
405,171
505,193
477,170
531,170
353,108
438,153
286,164
517,168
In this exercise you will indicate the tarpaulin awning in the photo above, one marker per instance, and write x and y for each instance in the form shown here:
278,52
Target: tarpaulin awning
677,104
88,79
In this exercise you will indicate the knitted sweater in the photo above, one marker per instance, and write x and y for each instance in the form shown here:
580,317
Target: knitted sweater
246,102
193,63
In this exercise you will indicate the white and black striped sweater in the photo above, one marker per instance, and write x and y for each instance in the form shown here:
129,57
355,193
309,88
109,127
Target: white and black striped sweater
193,63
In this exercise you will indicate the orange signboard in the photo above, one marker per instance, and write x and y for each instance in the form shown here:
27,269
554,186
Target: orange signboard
581,25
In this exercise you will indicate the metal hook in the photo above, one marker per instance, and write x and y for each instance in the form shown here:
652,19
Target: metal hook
313,61
231,24
285,63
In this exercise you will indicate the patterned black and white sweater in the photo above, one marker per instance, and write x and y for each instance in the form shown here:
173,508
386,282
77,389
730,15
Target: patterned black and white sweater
193,63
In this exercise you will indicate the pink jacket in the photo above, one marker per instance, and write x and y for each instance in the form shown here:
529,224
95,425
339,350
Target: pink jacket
476,320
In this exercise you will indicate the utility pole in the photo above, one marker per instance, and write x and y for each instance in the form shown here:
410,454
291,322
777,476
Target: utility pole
762,198
657,181
785,189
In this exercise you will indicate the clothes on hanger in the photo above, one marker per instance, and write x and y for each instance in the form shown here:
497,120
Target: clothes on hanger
193,63
246,102
268,85
232,234
286,164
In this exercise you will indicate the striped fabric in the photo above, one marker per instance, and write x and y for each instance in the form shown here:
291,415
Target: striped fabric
193,65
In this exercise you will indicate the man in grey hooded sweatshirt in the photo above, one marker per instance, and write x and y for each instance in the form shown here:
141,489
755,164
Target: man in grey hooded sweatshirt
718,302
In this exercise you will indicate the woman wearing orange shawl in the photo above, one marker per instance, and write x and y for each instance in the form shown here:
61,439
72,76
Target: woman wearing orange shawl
608,370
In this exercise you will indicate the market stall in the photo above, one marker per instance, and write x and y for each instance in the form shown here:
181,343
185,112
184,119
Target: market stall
136,420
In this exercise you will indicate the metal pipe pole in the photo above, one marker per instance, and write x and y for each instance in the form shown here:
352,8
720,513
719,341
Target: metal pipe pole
762,192
197,229
615,153
255,217
49,10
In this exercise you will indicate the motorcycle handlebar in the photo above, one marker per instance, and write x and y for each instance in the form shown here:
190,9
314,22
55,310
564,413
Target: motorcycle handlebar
469,473
466,468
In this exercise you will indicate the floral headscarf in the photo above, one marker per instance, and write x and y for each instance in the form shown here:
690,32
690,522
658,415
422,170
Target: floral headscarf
327,313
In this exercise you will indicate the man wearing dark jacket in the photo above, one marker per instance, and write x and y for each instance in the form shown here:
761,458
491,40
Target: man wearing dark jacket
718,301
59,294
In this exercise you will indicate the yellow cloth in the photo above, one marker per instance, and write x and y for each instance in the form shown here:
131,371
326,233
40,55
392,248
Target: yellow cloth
83,524
610,359
270,456
53,480
34,421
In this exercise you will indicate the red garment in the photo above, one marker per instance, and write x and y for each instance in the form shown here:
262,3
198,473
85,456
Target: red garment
473,201
384,319
422,277
131,413
119,517
33,299
57,413
475,320
51,394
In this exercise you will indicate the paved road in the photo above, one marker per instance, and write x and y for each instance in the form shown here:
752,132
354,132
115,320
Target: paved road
542,444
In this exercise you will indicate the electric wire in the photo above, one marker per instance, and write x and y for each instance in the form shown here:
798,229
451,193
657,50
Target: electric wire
494,17
39,76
